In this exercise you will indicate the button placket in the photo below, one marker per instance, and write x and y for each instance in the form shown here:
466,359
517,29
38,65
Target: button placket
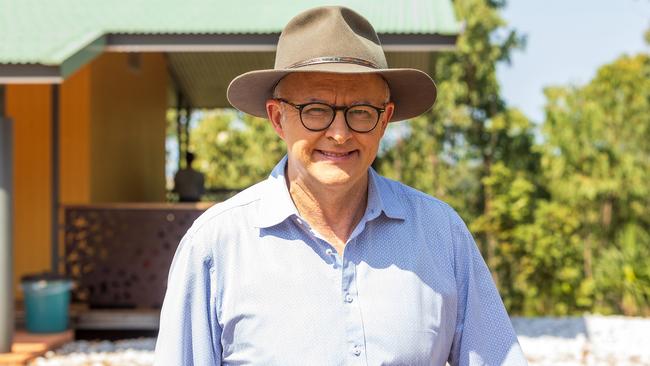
351,309
331,254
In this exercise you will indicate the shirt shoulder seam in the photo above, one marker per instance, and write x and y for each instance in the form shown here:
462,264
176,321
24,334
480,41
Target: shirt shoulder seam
412,192
218,212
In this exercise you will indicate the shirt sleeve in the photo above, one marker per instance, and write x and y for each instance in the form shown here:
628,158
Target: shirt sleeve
484,333
189,332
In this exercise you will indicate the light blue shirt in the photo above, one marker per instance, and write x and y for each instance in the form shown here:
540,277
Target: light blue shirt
252,284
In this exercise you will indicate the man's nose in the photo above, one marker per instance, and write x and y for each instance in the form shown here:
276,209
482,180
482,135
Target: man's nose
339,130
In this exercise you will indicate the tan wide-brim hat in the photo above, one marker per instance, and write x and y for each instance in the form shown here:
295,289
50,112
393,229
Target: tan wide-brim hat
332,39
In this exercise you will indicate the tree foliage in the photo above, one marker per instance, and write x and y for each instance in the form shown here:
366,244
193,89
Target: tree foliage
596,162
235,150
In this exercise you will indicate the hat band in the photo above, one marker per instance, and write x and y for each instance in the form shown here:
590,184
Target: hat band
329,60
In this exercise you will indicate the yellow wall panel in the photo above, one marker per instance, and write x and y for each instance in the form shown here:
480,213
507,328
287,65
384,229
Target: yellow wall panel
74,129
128,106
30,108
112,146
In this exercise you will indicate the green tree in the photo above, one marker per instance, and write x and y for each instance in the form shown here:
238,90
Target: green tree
235,150
596,163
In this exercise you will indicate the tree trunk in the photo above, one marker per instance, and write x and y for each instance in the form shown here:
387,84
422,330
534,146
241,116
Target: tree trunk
587,258
606,213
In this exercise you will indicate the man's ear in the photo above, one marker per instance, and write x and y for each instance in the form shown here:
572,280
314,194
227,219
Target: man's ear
274,112
387,115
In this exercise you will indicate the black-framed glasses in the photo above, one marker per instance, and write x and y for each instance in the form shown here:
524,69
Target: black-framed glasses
317,116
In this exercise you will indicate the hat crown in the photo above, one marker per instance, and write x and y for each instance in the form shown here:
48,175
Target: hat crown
329,34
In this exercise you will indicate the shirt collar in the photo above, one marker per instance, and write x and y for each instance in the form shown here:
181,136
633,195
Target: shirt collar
276,204
382,198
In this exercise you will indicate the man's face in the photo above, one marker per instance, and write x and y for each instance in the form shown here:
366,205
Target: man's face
336,156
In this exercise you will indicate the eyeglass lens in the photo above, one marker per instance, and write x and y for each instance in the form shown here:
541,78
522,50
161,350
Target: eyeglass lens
318,116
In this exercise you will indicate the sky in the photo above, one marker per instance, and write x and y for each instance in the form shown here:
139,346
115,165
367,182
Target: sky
567,40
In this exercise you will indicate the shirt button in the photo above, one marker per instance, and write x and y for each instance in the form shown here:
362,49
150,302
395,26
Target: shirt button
356,351
348,298
329,251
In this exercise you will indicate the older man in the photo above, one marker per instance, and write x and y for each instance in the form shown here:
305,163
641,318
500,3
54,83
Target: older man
326,262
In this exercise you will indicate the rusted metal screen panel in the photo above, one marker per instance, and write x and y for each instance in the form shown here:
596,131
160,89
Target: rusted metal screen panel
119,255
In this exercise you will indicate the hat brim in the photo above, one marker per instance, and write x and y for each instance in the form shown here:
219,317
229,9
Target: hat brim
413,91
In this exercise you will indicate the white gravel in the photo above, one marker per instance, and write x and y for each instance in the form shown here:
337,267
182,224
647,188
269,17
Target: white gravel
128,352
589,340
584,341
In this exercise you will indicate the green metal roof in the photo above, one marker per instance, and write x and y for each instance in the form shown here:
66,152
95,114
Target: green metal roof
68,33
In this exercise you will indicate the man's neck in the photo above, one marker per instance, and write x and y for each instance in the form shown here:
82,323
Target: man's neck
332,211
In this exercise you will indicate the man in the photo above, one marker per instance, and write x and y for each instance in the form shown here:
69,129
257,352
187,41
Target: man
326,262
189,183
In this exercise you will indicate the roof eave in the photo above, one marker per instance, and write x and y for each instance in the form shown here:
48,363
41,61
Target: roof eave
259,42
83,56
192,42
56,72
30,74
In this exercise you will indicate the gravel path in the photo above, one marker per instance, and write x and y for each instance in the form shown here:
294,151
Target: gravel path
577,341
128,352
589,340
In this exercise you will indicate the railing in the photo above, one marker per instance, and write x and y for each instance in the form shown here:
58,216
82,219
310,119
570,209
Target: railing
119,254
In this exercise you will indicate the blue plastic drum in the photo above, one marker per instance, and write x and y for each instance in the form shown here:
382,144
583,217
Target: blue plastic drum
47,301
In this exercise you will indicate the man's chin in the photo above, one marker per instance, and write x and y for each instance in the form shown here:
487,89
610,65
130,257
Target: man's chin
333,177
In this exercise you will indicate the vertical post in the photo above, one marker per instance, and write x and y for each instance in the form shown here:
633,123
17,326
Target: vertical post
179,128
6,227
55,179
188,119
